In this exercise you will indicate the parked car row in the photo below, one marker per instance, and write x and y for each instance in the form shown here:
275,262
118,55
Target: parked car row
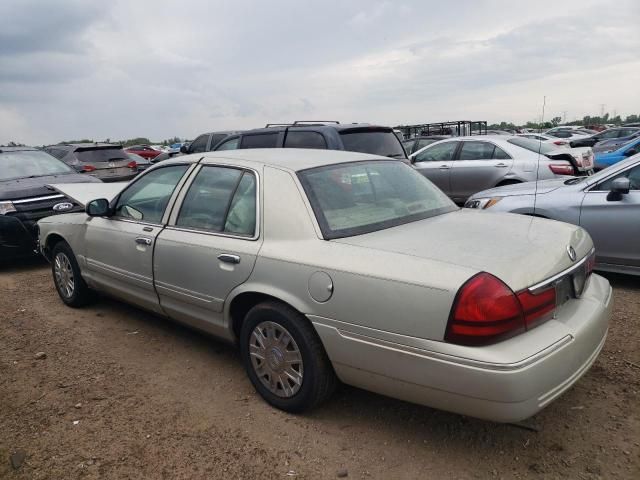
461,166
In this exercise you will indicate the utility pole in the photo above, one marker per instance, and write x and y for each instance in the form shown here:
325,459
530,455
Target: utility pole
602,105
564,116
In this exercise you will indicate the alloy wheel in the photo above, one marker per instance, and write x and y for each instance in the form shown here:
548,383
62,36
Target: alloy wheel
64,275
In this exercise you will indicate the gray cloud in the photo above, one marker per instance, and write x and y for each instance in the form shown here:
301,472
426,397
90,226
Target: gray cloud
157,68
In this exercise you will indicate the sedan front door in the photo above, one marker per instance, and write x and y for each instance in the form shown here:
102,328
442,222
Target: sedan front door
209,246
614,224
119,248
435,161
478,166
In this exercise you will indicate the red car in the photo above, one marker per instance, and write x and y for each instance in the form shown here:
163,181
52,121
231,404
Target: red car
145,151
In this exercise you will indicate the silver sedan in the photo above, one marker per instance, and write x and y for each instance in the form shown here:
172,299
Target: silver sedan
326,266
462,166
606,204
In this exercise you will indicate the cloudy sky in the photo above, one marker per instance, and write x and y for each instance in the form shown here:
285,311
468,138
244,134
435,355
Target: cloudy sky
159,68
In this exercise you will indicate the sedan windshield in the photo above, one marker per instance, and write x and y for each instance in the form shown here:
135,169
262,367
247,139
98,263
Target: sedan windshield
362,197
30,163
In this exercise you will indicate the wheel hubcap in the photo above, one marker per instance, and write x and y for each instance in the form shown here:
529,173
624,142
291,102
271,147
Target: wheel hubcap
64,275
276,359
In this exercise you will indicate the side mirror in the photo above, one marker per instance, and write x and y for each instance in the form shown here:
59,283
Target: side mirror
630,152
184,149
619,187
412,159
98,208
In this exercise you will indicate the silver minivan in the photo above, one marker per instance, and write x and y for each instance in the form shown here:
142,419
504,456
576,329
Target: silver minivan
462,166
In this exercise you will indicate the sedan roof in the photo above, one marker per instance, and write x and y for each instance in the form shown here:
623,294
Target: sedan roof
294,159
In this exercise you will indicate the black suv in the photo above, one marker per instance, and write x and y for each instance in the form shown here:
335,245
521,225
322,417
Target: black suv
25,198
353,137
108,162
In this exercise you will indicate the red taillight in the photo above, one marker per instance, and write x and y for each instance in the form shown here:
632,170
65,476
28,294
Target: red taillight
559,142
485,311
537,307
561,169
88,168
132,164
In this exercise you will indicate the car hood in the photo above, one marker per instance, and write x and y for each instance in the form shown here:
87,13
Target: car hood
83,194
526,188
38,186
518,249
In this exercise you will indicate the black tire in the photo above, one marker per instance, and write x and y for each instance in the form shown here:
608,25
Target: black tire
79,294
318,378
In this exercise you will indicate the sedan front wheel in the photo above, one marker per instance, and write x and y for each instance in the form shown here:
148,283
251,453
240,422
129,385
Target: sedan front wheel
67,278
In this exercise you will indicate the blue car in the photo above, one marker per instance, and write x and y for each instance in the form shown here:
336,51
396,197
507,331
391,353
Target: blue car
616,153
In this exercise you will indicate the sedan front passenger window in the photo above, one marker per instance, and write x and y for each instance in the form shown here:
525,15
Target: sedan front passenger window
146,199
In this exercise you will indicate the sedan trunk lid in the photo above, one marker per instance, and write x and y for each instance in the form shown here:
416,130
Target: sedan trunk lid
520,250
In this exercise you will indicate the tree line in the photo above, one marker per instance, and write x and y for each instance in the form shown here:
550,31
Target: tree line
555,121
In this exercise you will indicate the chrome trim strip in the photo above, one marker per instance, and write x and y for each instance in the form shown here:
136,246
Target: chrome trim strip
36,199
421,352
558,276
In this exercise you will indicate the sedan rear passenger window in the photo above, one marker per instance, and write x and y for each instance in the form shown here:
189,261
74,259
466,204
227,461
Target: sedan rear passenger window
500,154
476,151
220,199
304,140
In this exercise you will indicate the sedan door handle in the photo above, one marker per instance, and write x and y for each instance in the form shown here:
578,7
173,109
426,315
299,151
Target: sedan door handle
444,167
143,241
228,258
501,165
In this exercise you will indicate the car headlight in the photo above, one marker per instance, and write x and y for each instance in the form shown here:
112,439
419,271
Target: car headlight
6,207
482,203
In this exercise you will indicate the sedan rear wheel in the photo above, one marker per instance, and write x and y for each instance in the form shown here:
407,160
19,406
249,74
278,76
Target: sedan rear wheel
284,358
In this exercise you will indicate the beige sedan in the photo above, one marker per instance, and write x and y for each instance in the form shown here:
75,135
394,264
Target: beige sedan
326,266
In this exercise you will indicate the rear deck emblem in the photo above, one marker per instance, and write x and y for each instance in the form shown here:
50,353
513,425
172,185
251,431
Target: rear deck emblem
62,207
572,253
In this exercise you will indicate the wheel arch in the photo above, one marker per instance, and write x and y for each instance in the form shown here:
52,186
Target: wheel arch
246,297
51,240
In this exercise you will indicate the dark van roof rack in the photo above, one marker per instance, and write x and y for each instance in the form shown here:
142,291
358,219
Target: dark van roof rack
457,128
302,122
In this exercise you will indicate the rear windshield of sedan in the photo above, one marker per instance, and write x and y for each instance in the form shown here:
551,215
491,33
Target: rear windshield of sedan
97,155
533,145
30,163
361,197
376,142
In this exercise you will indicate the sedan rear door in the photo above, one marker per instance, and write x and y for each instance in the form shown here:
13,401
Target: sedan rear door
479,165
209,246
614,224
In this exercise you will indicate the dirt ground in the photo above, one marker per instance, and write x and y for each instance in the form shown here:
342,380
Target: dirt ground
124,394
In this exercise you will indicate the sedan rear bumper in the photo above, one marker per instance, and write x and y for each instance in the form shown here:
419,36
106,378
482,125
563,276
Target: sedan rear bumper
508,390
